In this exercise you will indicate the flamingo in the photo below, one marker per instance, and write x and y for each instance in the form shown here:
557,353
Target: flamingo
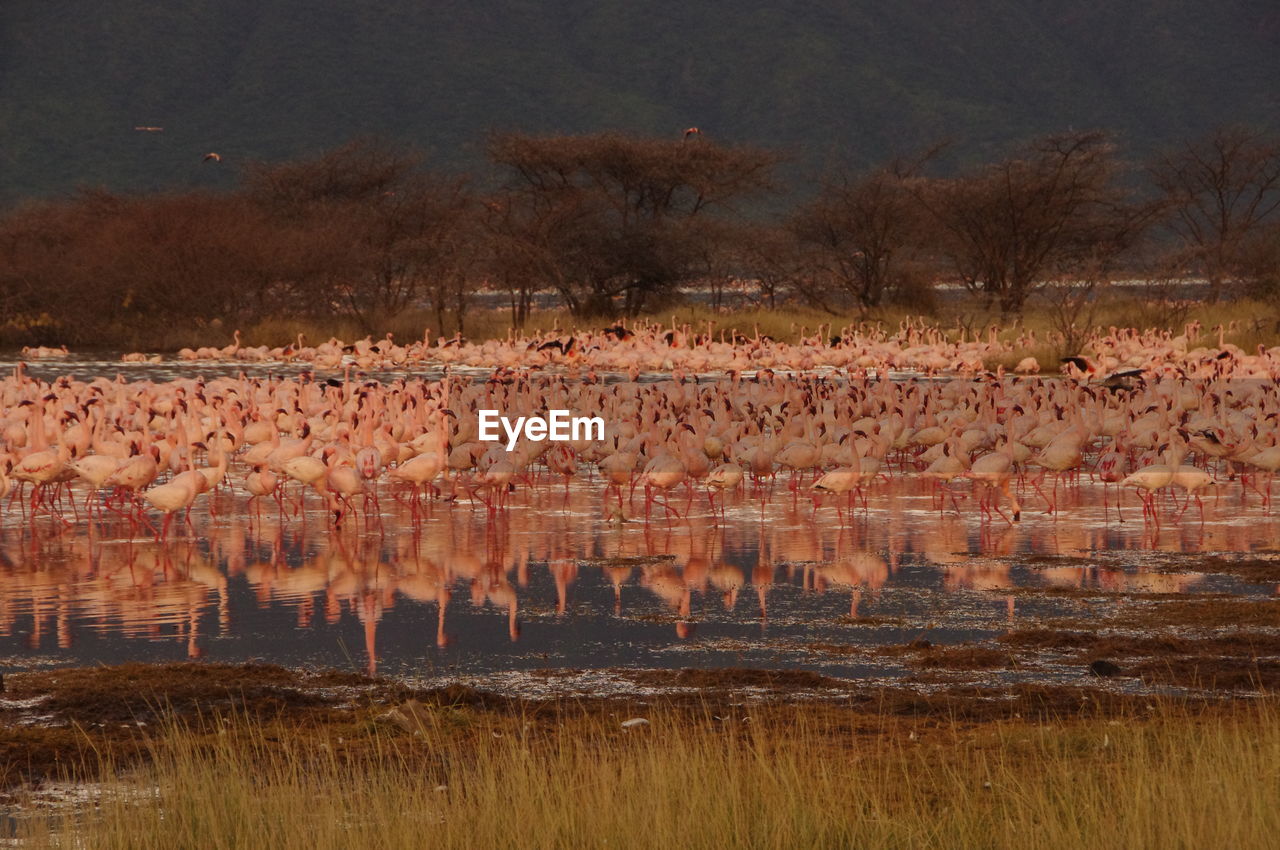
169,498
994,471
664,472
725,477
261,482
1149,479
843,480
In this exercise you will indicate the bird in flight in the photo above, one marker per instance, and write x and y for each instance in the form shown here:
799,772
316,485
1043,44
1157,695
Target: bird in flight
143,129
692,131
212,156
1089,372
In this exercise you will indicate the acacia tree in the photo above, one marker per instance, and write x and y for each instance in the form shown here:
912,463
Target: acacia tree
358,171
1260,261
100,266
770,256
1220,191
1010,225
418,246
39,249
527,247
859,237
608,216
394,236
179,257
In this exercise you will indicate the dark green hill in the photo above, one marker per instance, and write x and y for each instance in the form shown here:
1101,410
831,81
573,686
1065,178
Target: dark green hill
830,81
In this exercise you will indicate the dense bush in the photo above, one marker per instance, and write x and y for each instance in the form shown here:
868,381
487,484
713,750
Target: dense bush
620,225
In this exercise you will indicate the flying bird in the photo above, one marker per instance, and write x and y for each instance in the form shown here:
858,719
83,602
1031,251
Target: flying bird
1090,372
1082,364
149,129
692,131
212,156
1120,380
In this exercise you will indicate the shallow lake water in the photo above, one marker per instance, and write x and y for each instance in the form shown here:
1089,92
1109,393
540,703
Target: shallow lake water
555,582
454,590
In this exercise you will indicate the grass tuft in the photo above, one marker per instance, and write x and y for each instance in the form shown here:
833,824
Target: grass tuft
1175,777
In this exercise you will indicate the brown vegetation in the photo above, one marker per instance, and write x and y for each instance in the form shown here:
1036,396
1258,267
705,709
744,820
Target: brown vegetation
617,225
969,767
1221,190
59,722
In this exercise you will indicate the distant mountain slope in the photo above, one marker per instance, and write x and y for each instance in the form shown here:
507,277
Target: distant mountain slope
831,81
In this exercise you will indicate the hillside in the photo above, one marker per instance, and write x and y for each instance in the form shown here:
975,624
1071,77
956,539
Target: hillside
829,81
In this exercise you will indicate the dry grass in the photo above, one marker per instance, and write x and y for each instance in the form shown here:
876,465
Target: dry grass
1174,777
1256,322
785,324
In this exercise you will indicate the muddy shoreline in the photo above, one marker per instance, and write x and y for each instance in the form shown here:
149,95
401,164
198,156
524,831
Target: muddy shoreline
65,724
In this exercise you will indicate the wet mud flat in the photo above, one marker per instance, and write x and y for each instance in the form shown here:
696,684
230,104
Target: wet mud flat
75,724
1140,641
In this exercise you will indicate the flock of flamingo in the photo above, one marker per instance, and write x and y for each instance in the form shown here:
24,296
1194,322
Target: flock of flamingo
1149,411
709,439
685,350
